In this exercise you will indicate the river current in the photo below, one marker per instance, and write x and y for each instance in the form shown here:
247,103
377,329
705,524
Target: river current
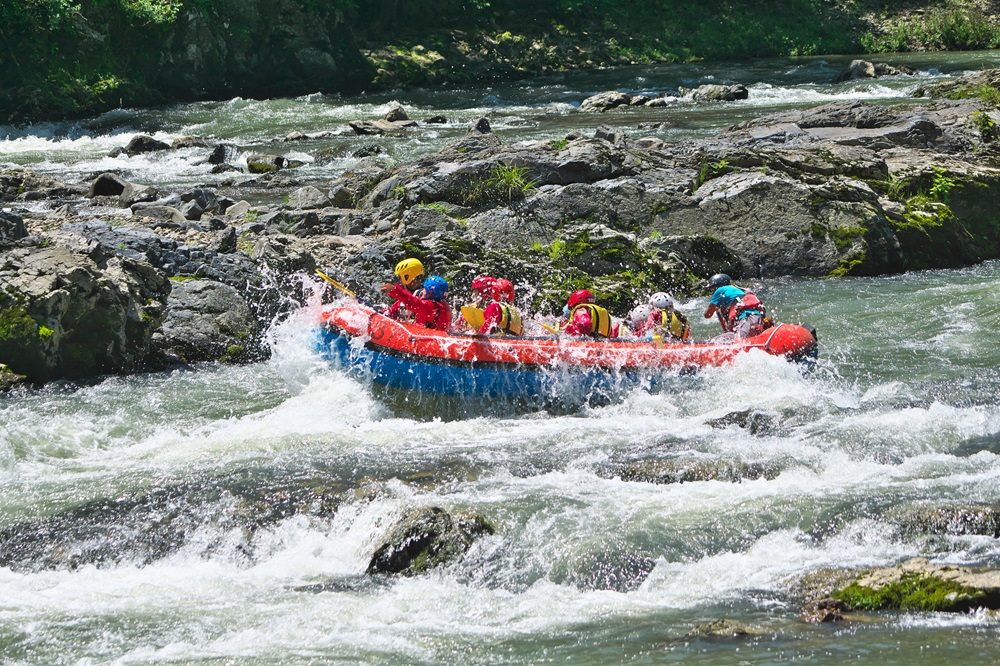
585,568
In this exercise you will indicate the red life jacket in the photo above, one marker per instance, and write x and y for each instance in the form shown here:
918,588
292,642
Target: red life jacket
748,301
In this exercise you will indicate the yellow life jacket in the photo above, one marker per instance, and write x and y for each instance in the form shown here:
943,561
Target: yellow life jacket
675,324
510,320
600,320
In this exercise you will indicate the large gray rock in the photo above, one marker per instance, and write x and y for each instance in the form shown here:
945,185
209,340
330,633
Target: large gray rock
11,227
71,314
606,101
208,321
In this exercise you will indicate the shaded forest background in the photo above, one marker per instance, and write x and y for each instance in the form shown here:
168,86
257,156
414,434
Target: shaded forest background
70,58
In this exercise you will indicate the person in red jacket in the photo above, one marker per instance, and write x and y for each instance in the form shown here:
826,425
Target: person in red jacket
410,272
586,318
501,315
432,311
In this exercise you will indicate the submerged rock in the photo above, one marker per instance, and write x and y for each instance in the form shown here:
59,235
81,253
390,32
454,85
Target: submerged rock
427,538
724,628
687,470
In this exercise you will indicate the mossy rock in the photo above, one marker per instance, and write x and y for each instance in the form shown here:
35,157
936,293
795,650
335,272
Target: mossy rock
917,585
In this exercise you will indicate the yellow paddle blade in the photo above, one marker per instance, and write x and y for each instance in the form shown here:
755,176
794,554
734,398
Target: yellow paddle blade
550,329
336,284
473,316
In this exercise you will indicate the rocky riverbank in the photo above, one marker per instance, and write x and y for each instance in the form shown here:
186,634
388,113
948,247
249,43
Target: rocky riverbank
105,275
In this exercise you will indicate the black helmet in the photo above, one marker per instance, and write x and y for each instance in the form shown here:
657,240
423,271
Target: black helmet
719,280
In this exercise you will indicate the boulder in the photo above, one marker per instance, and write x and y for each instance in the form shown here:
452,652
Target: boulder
396,114
28,185
9,379
140,144
70,314
688,469
480,126
378,127
824,610
208,321
426,538
922,586
264,163
720,93
11,226
133,194
857,69
308,197
606,101
107,185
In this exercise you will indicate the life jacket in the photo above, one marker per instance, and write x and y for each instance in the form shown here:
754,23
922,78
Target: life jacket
600,320
675,324
748,301
443,316
510,320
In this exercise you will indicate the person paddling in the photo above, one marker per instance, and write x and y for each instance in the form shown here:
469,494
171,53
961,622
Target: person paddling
410,273
431,311
739,311
587,318
500,315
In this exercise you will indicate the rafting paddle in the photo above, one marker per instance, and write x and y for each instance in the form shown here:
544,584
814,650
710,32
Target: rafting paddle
473,316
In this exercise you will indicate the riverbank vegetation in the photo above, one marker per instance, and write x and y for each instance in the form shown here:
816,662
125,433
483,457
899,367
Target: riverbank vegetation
61,58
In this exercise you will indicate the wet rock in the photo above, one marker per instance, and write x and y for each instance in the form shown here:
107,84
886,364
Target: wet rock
919,585
308,197
757,423
824,610
605,101
617,567
948,520
189,142
207,200
76,314
154,211
687,470
208,321
295,135
379,127
368,150
436,120
221,153
11,226
140,144
421,222
107,185
857,69
396,114
480,126
216,516
722,629
720,93
28,185
8,378
427,538
264,163
133,194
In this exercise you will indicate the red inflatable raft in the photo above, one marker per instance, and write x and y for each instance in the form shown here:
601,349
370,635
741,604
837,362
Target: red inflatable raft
416,358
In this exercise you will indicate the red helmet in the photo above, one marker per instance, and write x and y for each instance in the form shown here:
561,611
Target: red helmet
582,296
503,290
482,283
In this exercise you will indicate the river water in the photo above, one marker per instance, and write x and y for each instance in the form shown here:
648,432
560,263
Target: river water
585,568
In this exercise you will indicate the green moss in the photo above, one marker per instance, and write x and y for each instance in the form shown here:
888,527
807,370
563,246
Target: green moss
182,278
844,237
911,592
16,325
234,353
45,332
848,265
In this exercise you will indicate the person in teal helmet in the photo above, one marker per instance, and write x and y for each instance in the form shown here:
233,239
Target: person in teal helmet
739,311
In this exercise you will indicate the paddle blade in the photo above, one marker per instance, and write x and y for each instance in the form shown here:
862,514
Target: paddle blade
550,329
473,316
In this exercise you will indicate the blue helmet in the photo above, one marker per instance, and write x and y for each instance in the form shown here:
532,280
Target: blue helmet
435,287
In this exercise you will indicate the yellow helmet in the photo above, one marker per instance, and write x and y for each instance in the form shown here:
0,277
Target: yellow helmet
409,269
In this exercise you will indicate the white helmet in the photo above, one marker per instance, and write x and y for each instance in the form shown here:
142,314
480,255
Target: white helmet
640,313
661,301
